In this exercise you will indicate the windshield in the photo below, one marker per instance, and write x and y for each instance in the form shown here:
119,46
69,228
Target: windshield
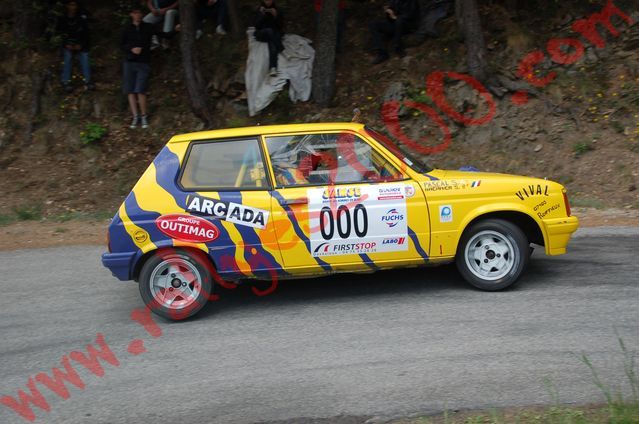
414,163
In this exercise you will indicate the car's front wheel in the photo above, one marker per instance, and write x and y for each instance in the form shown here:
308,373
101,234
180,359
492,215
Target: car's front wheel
492,254
175,283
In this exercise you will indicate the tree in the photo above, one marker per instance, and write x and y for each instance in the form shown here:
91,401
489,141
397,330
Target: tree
27,22
324,67
469,23
234,19
195,85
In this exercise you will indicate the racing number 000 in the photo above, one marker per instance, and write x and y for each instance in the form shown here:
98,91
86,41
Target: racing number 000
343,222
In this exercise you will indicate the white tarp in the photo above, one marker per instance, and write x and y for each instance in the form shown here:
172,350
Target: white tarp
294,64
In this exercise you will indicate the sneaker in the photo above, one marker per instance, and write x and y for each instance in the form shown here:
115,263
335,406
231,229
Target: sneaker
89,86
198,34
165,44
381,57
155,43
220,30
144,122
273,72
134,122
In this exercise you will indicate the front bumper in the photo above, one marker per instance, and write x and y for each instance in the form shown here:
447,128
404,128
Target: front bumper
559,231
120,264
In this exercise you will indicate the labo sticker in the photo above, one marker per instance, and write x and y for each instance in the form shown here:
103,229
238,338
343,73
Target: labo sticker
229,211
446,213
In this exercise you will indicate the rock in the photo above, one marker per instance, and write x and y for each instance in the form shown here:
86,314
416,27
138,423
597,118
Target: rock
406,60
538,147
591,56
395,91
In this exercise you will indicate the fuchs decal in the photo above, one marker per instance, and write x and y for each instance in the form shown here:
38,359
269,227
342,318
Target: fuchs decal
228,211
188,228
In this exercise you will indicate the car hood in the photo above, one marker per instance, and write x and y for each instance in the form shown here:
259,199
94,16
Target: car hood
452,183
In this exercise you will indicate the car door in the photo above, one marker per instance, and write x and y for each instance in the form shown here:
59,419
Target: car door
340,204
225,182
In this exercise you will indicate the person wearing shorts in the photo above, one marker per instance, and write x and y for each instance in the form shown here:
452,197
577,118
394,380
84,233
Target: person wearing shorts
136,46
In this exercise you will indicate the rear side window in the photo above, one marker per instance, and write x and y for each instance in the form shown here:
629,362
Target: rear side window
224,165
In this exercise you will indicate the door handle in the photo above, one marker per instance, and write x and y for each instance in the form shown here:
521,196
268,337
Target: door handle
297,201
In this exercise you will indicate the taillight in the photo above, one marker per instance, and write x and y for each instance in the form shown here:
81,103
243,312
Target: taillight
567,203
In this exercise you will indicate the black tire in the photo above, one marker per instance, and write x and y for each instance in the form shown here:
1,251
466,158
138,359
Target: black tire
492,254
183,283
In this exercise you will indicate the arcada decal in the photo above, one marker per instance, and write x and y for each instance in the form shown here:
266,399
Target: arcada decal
188,228
228,211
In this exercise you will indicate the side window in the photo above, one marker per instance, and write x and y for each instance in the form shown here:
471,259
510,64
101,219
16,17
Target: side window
332,158
232,164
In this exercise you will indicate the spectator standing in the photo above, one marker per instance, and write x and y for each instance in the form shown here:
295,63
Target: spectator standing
163,12
73,28
214,10
400,17
136,46
269,29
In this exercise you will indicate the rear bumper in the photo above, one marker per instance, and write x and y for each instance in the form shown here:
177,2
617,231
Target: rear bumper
120,264
559,231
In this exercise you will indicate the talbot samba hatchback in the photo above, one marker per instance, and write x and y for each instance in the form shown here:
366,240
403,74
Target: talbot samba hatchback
288,201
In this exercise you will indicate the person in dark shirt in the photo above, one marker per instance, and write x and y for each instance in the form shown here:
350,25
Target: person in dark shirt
400,17
214,10
136,46
269,29
74,30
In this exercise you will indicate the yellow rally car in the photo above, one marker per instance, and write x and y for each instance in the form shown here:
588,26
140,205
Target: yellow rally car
289,201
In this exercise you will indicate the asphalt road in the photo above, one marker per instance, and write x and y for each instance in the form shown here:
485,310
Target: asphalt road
387,344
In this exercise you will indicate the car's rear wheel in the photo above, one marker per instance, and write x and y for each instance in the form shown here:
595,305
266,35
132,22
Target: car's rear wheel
175,283
492,254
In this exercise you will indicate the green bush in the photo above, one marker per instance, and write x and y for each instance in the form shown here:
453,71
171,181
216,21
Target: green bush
92,133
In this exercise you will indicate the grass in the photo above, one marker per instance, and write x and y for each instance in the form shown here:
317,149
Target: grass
582,147
587,202
28,213
34,213
616,409
83,216
6,219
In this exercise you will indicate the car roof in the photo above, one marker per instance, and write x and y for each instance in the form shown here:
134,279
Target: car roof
265,129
